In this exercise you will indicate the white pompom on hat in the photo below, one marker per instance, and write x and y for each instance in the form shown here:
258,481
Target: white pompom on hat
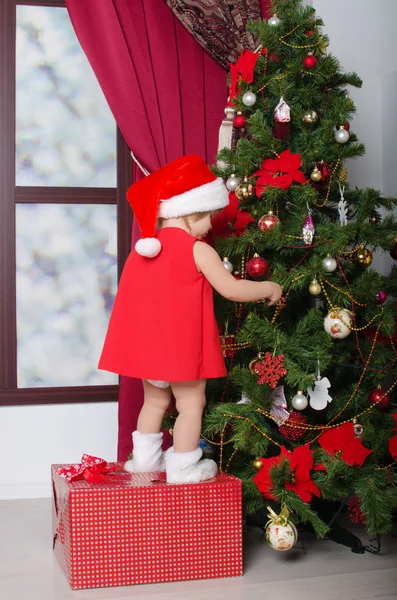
183,187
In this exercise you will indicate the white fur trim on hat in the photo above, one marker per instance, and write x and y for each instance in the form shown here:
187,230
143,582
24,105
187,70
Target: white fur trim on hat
207,197
149,247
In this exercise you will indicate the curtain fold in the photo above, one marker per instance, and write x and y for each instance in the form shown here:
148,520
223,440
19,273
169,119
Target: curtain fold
167,95
220,26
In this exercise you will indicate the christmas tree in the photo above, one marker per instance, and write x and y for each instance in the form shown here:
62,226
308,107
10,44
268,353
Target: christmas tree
305,416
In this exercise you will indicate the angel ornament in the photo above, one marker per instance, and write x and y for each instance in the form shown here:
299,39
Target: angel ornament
319,397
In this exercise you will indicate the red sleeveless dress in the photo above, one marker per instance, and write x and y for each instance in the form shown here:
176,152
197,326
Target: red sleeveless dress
163,324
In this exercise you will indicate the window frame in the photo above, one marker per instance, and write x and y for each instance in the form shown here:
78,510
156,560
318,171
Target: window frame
11,195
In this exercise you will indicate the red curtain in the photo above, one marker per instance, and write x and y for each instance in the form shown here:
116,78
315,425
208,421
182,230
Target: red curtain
167,96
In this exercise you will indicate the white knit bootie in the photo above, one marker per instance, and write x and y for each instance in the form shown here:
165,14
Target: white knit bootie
147,453
186,467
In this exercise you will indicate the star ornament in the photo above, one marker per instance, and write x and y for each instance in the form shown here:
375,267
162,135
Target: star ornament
341,442
280,172
300,481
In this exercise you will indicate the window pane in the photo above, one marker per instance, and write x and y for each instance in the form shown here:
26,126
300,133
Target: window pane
65,132
66,283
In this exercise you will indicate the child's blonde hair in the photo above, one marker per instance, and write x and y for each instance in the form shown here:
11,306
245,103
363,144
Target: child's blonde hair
194,216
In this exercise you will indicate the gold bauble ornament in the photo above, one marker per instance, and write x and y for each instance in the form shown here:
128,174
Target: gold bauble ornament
316,175
315,288
310,117
258,358
245,190
364,257
257,464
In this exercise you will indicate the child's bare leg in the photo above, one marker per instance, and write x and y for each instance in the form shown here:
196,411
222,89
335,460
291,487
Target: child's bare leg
156,402
190,403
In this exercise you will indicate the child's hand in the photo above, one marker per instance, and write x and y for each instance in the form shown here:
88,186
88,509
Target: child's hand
273,293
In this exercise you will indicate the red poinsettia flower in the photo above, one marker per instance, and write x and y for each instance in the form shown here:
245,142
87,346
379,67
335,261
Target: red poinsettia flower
280,172
301,463
243,68
342,440
230,220
393,446
263,481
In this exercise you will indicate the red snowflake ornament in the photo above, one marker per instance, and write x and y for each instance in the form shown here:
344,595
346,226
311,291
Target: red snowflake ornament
270,370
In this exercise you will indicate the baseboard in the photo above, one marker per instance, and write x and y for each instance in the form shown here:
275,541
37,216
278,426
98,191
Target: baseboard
19,491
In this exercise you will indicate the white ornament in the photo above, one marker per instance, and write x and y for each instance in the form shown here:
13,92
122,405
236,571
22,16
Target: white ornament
227,264
342,136
244,399
319,397
232,182
249,99
342,206
273,21
299,402
281,537
279,406
282,112
329,264
338,323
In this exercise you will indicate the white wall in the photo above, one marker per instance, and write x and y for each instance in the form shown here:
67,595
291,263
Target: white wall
34,437
362,36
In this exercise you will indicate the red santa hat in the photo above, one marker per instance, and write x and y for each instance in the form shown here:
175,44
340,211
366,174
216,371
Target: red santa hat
183,187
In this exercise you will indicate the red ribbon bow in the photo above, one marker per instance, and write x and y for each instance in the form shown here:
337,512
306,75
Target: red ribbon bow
93,469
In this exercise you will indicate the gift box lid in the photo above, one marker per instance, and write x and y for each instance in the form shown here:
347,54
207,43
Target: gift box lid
119,478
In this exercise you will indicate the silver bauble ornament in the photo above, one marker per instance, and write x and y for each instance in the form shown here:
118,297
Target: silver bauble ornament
273,21
310,117
232,182
227,264
299,402
329,264
249,99
338,323
342,136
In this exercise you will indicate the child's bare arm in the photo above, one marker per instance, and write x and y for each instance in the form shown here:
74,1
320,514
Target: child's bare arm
209,263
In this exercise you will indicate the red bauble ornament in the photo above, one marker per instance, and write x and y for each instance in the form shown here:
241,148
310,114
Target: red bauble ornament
237,275
310,33
310,61
393,252
292,433
324,169
239,121
257,267
267,222
347,126
375,396
381,297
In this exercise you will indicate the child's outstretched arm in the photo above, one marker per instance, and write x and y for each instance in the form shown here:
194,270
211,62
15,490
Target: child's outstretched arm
211,266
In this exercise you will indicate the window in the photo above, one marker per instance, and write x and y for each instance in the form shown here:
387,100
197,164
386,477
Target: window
65,225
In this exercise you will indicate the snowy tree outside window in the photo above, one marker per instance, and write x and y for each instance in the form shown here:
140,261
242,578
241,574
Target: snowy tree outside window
66,253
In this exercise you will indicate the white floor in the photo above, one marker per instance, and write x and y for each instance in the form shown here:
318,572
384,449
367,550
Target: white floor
29,571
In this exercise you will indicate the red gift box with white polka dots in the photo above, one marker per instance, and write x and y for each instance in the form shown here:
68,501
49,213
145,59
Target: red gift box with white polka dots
136,528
